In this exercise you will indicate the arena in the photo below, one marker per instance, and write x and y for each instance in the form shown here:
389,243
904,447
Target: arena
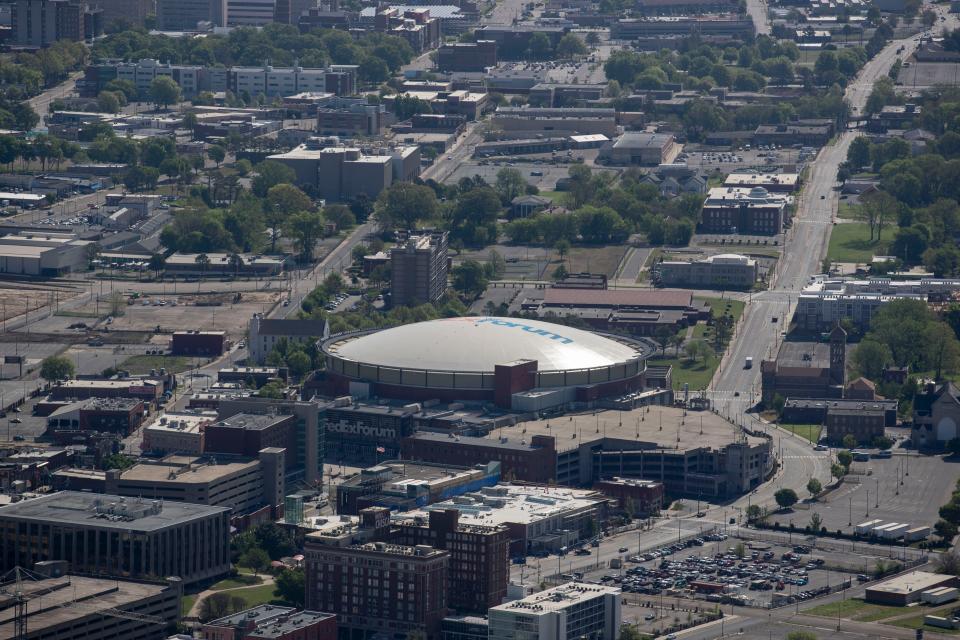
518,364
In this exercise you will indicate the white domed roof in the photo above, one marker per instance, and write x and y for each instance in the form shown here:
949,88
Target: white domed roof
481,343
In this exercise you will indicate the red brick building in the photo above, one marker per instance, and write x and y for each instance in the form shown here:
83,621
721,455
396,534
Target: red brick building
270,622
245,434
638,497
479,557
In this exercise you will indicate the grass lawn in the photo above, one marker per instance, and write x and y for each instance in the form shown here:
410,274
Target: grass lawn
809,431
239,581
856,609
846,210
916,622
697,374
142,364
186,603
255,595
556,196
851,243
724,305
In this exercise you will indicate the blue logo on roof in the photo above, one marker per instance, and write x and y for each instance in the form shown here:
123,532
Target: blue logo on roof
519,325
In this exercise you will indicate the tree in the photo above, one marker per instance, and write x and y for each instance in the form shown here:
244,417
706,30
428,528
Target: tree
946,530
403,204
108,102
218,605
845,458
560,273
593,38
470,278
202,261
290,586
539,47
255,559
837,470
283,200
814,487
858,154
299,363
785,498
141,178
272,390
156,263
217,153
801,635
815,522
697,350
473,220
269,174
571,46
870,358
55,368
164,91
340,215
740,550
306,227
754,512
629,631
849,441
510,184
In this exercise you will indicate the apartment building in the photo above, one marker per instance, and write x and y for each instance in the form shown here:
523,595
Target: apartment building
40,23
419,269
378,587
479,567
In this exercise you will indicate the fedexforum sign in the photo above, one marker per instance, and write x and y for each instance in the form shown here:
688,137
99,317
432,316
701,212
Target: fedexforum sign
519,325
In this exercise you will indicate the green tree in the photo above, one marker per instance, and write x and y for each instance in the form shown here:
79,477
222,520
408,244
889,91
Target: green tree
754,512
801,635
403,204
164,91
255,559
273,390
217,153
55,368
849,441
117,461
290,586
814,487
340,215
157,263
785,498
858,154
946,530
269,174
283,200
837,470
299,363
306,228
108,102
510,184
203,262
571,46
870,358
539,47
845,458
740,550
470,278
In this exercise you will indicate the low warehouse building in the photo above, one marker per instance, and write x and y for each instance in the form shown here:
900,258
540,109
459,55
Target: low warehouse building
907,588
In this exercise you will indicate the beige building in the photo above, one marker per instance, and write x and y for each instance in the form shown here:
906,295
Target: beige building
177,433
726,271
419,269
641,148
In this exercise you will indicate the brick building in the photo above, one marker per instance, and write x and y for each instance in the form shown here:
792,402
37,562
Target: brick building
378,588
638,497
479,560
533,462
199,343
245,434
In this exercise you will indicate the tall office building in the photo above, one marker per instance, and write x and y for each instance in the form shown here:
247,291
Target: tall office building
133,11
289,11
183,15
250,13
572,610
40,23
419,269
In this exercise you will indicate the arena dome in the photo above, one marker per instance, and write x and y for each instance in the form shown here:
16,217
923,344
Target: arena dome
465,353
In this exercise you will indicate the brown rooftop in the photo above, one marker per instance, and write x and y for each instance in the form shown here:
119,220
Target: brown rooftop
618,298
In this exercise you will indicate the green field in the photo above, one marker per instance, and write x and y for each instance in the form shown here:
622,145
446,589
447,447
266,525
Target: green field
851,243
916,622
138,365
725,305
238,581
697,374
810,432
846,210
186,603
255,595
856,609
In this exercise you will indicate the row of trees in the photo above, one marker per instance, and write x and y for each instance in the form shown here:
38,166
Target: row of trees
378,55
